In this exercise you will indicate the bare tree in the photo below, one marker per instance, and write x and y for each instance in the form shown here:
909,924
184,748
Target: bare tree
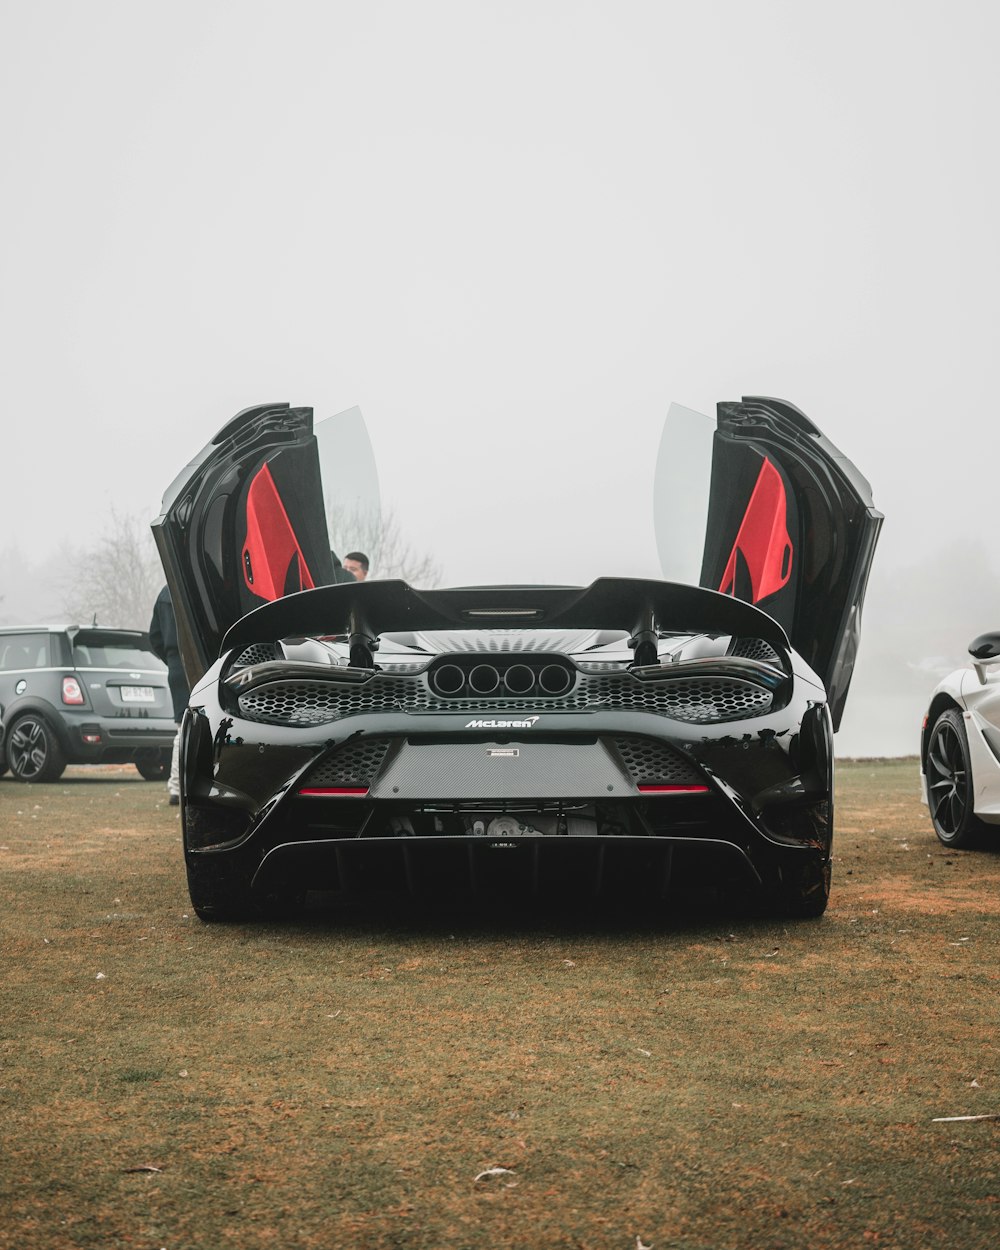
379,536
116,582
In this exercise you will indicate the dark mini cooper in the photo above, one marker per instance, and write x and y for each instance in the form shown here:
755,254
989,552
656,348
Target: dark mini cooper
82,696
634,736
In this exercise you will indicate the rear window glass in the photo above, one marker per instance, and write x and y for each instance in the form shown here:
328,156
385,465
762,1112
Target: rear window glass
24,651
103,650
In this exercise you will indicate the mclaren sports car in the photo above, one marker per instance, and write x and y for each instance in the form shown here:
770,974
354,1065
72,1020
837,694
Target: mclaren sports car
960,750
631,738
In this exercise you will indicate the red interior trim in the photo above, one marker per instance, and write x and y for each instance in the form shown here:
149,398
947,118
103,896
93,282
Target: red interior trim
763,539
270,544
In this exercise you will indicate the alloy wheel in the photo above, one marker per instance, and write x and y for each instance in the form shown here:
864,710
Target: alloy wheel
28,748
949,783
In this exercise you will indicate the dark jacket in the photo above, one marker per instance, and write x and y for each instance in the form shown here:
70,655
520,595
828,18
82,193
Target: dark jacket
163,640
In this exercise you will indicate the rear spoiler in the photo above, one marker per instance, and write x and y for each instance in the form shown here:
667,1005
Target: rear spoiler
364,610
97,635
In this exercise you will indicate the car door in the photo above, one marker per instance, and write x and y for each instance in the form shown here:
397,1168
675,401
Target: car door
245,522
788,524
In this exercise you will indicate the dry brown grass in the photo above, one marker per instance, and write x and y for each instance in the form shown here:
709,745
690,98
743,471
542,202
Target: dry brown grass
693,1081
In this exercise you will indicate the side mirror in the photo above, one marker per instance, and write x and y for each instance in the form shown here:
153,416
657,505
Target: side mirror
985,647
985,652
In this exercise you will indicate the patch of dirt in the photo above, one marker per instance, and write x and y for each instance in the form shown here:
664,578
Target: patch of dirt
900,894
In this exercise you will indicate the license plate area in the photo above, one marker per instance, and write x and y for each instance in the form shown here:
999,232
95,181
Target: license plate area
137,694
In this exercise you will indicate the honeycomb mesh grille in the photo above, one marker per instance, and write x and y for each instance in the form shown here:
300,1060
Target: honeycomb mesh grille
256,653
696,700
305,703
655,763
755,649
354,764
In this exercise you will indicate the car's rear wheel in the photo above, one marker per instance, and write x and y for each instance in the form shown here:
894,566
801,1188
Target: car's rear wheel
950,793
220,889
803,890
33,750
154,767
215,898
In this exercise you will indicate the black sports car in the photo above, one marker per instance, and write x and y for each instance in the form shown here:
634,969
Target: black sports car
636,736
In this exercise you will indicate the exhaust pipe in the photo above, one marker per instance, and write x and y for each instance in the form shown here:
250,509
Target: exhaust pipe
519,679
554,679
448,679
484,679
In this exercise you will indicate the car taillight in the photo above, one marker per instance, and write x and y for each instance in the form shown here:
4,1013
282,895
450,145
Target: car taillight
340,792
71,692
645,788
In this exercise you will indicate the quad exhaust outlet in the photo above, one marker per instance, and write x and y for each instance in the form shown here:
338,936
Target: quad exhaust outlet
452,681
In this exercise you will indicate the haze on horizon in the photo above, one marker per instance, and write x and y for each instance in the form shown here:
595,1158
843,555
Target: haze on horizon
513,235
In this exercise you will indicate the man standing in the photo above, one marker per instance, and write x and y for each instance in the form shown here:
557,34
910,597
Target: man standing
163,640
356,563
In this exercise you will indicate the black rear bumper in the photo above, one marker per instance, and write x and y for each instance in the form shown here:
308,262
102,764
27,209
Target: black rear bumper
405,806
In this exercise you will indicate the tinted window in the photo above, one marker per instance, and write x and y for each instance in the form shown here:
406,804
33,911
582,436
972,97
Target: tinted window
24,651
110,656
93,648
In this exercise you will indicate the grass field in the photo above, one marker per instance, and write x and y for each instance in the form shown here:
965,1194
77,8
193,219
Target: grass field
681,1081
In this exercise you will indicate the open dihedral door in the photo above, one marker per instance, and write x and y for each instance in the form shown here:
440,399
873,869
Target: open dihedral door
246,522
789,526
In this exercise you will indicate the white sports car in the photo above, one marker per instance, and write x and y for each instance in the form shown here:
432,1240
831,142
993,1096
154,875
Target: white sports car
960,749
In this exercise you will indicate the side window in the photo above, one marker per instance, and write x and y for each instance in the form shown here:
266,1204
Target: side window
19,651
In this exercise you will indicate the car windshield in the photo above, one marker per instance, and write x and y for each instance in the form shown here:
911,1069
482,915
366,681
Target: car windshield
92,649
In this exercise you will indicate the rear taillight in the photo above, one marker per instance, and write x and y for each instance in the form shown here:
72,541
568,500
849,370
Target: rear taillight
645,788
337,792
71,692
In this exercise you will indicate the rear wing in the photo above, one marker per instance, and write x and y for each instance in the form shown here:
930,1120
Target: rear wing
364,610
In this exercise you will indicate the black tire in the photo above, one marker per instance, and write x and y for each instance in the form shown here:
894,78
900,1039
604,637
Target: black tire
32,749
154,767
803,890
3,767
950,791
217,899
217,891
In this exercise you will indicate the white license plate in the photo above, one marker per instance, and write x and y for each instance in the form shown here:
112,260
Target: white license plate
138,694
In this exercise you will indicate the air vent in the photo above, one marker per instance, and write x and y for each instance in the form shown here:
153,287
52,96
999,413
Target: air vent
256,653
695,700
755,649
354,763
650,762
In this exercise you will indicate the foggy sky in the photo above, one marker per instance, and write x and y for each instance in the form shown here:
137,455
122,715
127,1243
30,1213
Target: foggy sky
512,233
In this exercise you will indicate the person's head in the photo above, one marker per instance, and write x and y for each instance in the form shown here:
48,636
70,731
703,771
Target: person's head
356,563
